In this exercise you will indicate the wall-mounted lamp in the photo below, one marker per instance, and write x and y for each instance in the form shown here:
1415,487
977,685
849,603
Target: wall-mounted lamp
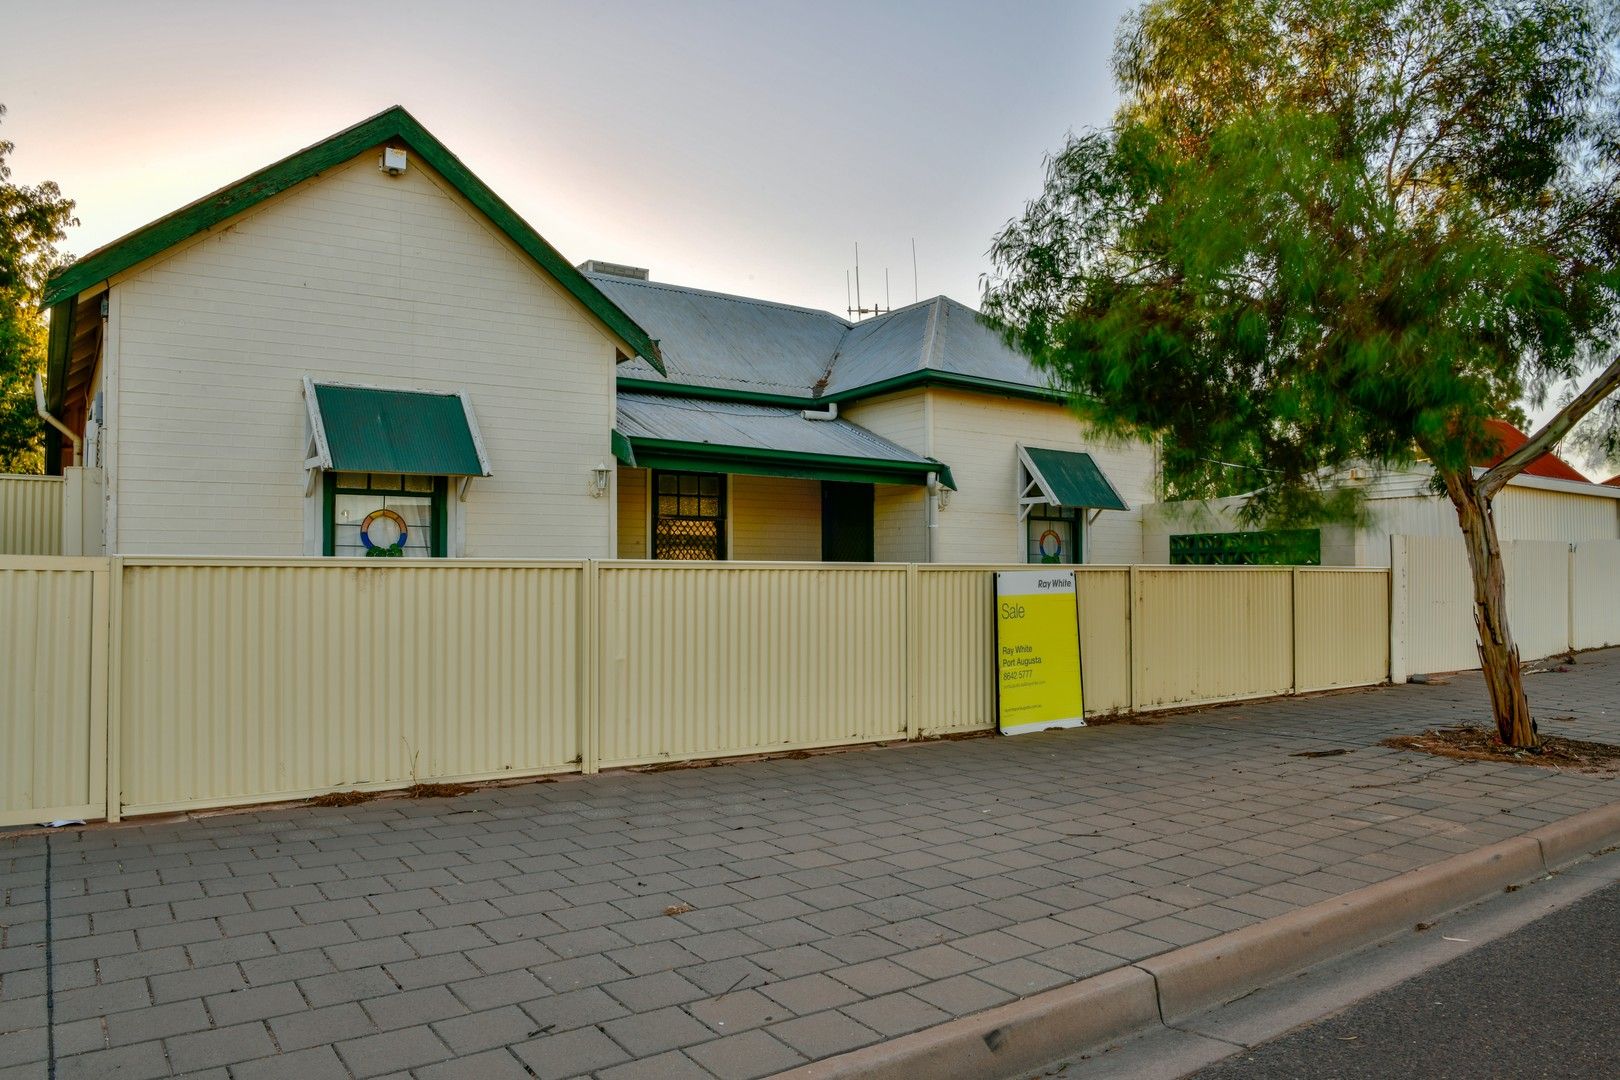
601,476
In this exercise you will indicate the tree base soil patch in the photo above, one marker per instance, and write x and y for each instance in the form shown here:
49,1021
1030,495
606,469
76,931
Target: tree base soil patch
1469,743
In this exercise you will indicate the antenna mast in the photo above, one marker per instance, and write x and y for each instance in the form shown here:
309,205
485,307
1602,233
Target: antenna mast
858,311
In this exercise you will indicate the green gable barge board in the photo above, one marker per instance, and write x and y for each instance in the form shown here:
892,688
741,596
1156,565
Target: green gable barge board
1070,478
378,430
394,125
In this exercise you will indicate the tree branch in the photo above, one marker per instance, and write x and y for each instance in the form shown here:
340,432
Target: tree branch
1601,387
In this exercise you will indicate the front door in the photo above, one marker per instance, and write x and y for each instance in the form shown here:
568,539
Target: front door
846,522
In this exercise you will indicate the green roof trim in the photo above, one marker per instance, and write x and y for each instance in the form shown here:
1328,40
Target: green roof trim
750,461
622,448
949,380
391,125
1070,478
717,393
912,380
413,432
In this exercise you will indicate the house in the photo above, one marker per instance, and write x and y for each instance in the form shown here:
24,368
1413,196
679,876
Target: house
362,350
1549,500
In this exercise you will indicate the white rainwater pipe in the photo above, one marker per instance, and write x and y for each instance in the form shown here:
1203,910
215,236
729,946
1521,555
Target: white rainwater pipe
830,413
44,414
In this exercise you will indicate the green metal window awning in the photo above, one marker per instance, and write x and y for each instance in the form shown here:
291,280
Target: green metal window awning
1066,478
374,429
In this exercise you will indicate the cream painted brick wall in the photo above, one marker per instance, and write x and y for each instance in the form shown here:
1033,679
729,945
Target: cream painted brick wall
899,523
360,277
775,518
632,542
899,512
977,437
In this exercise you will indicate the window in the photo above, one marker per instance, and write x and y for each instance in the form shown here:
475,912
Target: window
689,515
376,514
1053,534
1278,547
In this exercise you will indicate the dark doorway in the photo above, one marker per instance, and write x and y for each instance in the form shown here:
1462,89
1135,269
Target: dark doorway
846,522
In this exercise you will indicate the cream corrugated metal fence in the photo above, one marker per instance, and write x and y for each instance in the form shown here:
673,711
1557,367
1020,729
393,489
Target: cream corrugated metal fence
707,660
53,690
248,680
1594,594
1561,596
30,515
235,681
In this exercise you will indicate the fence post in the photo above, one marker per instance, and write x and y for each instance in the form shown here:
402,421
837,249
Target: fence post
1298,634
913,602
1398,601
590,666
1133,640
112,676
1574,594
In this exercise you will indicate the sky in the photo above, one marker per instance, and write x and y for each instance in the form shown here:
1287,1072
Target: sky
741,147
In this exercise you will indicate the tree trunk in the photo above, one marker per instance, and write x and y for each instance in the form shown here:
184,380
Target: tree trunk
1498,655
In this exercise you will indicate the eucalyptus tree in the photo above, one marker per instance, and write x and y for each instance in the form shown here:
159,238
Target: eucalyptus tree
1326,232
33,220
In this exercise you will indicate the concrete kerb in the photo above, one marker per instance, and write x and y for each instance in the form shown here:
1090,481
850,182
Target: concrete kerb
1165,989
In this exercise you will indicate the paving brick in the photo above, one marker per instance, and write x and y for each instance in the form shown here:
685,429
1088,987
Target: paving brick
823,1034
895,1014
138,1062
746,1055
490,1065
572,1053
577,1008
479,1031
315,1027
220,1046
648,1033
391,1051
409,1007
317,1063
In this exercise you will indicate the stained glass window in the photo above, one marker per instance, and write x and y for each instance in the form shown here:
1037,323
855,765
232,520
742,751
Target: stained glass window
381,514
1052,535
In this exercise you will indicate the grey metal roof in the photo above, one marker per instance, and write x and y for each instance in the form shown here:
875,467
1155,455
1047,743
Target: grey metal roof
717,341
754,427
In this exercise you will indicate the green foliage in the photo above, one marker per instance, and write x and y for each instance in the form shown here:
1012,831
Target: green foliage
1327,231
396,550
33,220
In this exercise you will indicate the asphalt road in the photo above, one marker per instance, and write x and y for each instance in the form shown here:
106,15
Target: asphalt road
1541,1002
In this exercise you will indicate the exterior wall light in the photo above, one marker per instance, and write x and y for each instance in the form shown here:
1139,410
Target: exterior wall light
601,476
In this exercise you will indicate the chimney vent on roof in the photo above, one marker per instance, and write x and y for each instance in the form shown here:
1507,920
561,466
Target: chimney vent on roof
597,266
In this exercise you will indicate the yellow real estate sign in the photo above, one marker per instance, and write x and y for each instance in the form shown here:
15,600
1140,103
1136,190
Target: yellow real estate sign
1037,651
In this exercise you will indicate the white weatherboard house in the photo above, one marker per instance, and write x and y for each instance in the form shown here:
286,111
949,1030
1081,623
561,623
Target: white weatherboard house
362,349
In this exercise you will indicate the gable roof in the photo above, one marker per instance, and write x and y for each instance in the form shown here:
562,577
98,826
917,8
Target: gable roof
1549,465
738,348
391,125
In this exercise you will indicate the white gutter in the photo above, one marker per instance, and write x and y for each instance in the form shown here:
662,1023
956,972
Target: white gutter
44,414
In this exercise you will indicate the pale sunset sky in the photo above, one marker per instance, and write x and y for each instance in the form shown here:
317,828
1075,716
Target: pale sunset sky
743,147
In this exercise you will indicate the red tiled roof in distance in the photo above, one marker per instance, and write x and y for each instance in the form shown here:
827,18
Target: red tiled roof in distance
1548,465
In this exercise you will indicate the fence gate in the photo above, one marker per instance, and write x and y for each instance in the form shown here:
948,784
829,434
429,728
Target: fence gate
53,688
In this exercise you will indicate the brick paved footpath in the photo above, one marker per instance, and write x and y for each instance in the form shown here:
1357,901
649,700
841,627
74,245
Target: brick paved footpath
835,900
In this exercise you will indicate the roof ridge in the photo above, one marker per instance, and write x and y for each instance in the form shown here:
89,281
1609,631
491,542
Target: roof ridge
670,286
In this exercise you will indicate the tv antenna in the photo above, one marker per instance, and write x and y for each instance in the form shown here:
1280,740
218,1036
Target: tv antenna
856,310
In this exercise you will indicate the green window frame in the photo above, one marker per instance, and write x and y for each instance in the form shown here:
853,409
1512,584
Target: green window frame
1039,521
436,488
688,515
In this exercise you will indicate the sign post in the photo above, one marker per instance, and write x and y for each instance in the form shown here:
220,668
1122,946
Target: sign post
1037,651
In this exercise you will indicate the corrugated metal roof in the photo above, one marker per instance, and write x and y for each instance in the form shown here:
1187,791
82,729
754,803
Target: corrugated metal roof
1072,478
752,427
718,341
397,431
715,340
